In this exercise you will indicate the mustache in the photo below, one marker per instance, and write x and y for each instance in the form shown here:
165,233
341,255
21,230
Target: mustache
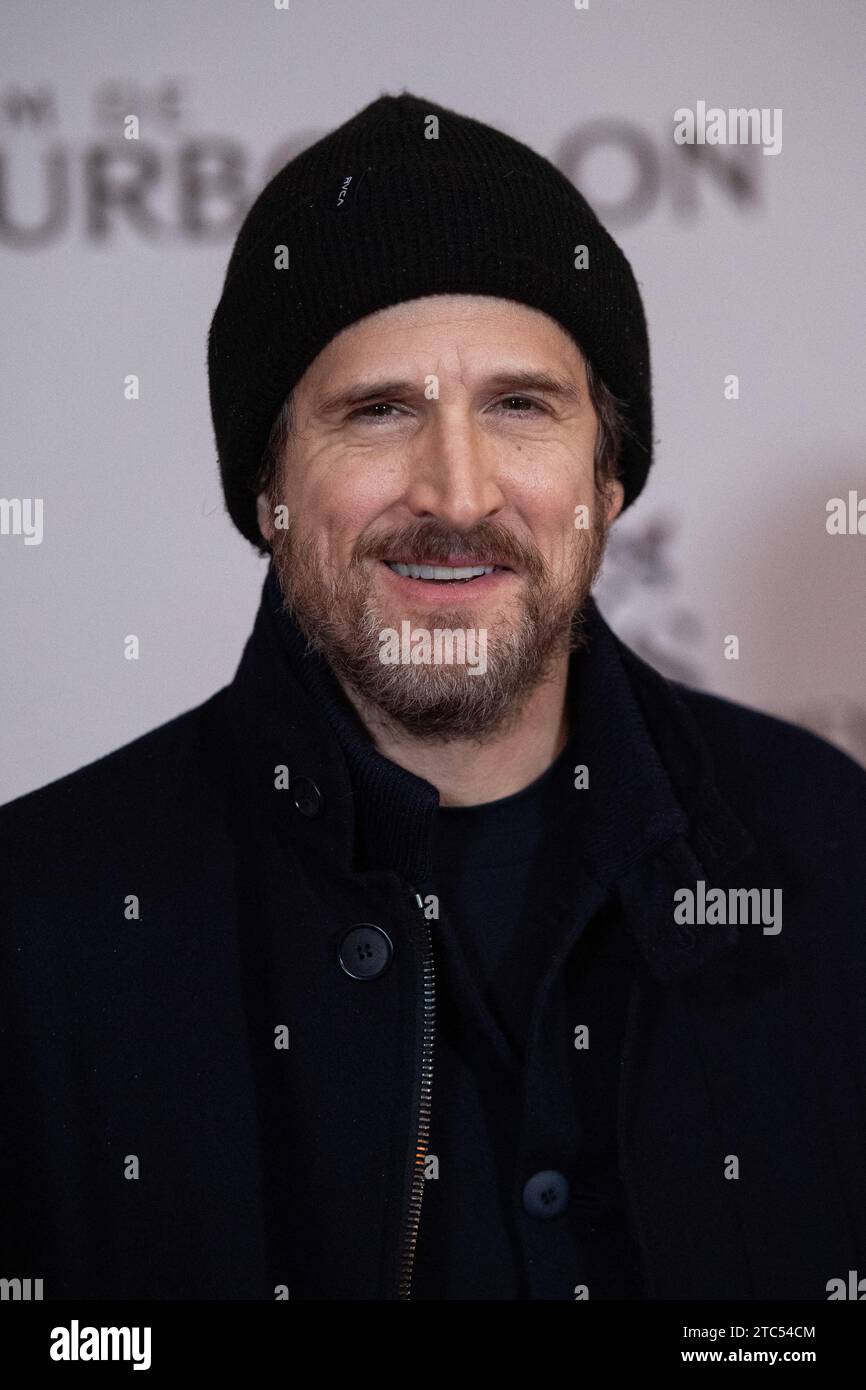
488,543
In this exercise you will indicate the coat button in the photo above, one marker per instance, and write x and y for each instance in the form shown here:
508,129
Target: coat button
306,796
546,1194
365,952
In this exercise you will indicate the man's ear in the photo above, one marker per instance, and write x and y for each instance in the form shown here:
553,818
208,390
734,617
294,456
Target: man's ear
264,516
615,496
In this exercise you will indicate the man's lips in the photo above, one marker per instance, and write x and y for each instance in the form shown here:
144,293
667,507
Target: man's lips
446,590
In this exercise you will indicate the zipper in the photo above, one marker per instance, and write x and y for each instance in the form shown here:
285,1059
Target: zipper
422,1128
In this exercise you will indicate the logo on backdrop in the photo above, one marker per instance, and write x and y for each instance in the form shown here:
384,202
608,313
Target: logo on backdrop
641,595
153,168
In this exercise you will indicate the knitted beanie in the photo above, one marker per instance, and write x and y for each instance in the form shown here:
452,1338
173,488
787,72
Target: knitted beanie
409,199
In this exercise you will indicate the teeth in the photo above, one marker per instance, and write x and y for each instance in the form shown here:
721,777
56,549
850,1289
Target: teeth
445,572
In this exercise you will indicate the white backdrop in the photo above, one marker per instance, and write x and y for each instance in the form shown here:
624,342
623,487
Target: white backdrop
748,264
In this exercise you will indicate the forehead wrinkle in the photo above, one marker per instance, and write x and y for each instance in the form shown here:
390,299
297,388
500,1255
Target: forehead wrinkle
502,378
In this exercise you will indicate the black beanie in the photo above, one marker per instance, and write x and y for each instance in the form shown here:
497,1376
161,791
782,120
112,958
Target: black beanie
377,212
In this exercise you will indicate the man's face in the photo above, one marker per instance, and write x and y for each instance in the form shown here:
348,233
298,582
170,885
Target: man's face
426,434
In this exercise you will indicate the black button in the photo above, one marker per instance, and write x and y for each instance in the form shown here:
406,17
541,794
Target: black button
307,797
546,1194
365,952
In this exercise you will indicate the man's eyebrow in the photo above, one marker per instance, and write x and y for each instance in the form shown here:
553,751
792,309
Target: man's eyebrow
549,383
520,379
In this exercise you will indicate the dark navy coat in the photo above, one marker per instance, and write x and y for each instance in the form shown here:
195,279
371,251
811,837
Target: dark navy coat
156,1142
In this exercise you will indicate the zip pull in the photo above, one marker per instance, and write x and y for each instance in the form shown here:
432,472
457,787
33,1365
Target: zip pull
420,1137
421,933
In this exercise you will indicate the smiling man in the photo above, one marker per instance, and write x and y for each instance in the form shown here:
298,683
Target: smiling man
370,978
454,510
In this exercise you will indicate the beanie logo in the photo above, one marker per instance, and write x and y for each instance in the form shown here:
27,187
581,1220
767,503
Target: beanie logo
354,191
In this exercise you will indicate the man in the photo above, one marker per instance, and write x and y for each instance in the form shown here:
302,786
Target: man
449,952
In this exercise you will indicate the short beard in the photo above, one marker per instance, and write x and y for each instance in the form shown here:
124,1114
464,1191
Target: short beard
441,702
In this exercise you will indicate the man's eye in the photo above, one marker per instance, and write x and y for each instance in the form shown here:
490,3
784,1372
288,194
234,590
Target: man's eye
375,405
526,401
374,411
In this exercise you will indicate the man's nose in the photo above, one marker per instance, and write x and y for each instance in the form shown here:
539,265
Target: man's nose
454,474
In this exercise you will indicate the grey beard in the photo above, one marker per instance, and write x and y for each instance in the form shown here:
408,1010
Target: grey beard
438,702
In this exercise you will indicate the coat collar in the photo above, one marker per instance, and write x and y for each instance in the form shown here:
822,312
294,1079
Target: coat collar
650,820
